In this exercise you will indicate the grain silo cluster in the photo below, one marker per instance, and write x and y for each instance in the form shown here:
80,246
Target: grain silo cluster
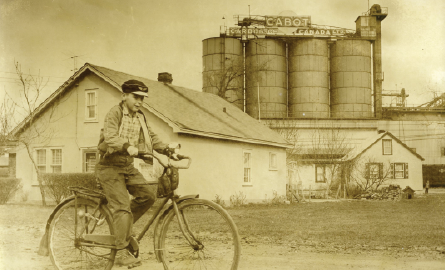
311,72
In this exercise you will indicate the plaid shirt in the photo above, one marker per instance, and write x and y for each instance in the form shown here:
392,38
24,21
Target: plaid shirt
130,127
121,128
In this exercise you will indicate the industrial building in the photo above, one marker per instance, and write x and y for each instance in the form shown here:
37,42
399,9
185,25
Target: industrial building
298,78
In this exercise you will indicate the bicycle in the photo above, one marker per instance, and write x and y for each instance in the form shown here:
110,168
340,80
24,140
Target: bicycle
190,233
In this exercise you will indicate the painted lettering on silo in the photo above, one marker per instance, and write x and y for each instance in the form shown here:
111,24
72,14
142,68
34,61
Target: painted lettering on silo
223,69
308,79
266,80
351,79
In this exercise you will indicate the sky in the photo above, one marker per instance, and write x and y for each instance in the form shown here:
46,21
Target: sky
146,37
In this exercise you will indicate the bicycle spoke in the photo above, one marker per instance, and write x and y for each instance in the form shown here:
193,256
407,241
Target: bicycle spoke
64,251
215,242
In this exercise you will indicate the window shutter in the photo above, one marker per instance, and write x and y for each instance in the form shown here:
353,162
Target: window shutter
406,171
380,170
368,175
391,171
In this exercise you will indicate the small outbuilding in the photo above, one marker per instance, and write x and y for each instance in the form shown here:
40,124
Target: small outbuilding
408,193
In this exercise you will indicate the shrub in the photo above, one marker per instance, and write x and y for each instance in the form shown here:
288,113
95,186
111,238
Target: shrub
57,184
8,186
353,191
218,199
275,200
238,199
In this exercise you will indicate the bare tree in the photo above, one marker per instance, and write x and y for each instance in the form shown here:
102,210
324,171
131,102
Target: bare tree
327,147
227,81
6,122
35,129
367,174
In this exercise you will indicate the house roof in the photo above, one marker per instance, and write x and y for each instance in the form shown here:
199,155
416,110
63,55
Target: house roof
368,143
185,110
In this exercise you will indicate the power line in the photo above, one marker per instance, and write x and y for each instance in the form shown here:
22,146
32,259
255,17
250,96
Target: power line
17,79
33,74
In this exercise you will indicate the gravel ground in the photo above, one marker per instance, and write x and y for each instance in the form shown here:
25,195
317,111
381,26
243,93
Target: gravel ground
21,228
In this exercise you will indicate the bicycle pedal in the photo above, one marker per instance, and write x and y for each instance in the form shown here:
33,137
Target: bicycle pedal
135,265
133,247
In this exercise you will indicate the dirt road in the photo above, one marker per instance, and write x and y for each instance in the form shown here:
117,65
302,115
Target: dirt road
20,236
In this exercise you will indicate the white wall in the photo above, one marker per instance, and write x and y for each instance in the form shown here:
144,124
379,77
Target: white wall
399,155
69,130
217,164
305,175
217,169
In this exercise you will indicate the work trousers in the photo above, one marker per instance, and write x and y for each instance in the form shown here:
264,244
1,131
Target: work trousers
117,182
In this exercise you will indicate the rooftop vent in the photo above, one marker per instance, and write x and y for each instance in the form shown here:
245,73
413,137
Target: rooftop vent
165,77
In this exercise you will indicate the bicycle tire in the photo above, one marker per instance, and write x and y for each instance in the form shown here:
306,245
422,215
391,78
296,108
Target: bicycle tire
212,226
63,251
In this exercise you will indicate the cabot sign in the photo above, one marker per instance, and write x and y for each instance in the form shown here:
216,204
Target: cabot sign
275,32
288,21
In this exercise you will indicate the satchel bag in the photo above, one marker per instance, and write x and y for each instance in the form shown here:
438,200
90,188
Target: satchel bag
168,182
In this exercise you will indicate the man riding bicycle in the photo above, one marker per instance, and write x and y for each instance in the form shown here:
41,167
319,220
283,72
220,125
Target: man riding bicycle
125,133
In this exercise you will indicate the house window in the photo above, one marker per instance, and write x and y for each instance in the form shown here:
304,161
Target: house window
247,167
273,161
320,173
374,170
90,159
399,170
91,105
49,163
387,147
442,151
56,164
41,160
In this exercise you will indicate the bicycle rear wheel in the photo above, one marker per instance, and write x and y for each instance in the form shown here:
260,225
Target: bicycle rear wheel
215,241
67,251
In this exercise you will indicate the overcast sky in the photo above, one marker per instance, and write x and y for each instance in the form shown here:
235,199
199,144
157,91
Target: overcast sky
150,36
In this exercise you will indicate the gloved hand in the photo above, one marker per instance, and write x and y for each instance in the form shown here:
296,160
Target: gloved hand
133,151
172,151
174,157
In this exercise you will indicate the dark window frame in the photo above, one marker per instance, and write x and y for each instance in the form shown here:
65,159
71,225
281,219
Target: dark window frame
84,158
383,146
324,173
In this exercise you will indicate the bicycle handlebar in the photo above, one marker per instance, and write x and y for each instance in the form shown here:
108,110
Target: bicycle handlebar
143,155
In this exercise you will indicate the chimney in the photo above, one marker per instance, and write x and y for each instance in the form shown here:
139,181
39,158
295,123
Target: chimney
165,77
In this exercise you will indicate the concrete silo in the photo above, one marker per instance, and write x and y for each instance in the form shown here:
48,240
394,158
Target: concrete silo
223,69
309,78
266,76
351,79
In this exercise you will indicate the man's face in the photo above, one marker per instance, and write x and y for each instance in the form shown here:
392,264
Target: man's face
133,102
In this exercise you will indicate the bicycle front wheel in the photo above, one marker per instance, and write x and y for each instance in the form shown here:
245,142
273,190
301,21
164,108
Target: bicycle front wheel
67,249
208,240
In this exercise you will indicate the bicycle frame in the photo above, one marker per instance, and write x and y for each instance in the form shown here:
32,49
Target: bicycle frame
107,241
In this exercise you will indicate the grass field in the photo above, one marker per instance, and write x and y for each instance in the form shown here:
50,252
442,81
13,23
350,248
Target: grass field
408,223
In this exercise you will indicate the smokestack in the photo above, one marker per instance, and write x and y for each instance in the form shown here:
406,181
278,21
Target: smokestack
165,77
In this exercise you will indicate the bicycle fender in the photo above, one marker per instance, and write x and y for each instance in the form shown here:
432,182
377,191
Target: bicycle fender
160,222
43,248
